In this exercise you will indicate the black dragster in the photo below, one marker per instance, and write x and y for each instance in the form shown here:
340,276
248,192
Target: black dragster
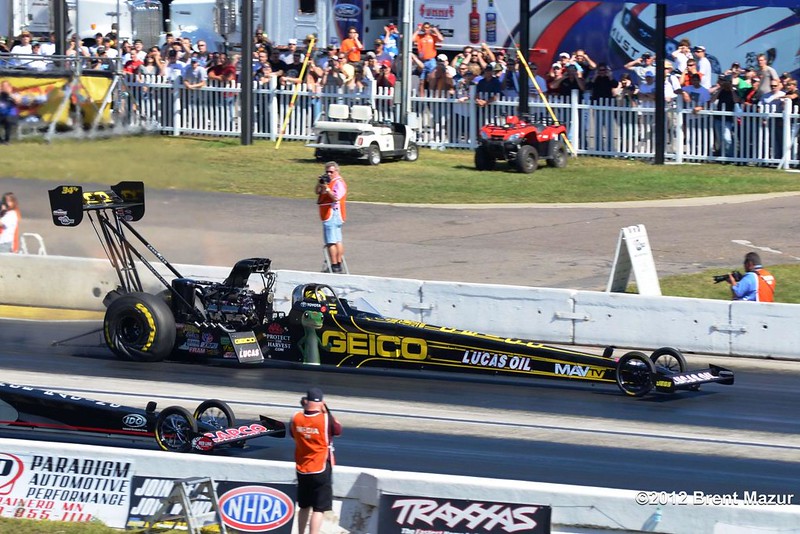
212,426
229,320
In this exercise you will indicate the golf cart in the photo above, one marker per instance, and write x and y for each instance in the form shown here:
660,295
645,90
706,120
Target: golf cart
352,132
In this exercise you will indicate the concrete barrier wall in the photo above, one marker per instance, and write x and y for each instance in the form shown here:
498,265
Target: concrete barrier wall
357,492
549,315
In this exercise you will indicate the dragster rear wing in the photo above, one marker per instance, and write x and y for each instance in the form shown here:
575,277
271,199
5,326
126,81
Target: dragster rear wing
68,202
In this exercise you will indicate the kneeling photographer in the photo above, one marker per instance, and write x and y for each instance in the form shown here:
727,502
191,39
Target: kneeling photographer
756,284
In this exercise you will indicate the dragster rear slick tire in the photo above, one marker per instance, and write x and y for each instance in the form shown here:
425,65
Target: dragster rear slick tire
175,429
139,327
635,374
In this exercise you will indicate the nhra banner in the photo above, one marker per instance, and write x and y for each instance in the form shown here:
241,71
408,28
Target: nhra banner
401,514
244,506
64,488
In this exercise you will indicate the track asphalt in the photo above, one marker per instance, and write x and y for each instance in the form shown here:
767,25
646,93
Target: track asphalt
545,245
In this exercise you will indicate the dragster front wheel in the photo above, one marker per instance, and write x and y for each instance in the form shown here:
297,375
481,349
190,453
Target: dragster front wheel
635,373
215,413
669,359
175,429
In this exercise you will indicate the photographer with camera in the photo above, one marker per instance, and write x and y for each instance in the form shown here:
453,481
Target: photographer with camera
331,193
756,284
9,223
313,430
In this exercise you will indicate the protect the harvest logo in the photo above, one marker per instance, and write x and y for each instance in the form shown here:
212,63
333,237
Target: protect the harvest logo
256,508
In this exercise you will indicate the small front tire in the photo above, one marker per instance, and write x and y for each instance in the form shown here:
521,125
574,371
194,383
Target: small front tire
669,359
374,155
559,156
175,429
215,413
527,159
484,161
412,152
635,372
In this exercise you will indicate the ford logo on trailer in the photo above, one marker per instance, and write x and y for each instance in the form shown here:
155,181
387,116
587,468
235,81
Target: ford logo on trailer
256,508
346,11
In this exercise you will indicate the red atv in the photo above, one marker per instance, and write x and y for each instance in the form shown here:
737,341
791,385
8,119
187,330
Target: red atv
522,142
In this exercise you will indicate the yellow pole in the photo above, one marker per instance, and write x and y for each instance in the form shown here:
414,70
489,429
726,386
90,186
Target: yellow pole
309,52
531,77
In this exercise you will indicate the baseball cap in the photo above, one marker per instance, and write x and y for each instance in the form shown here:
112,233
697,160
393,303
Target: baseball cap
735,64
331,47
314,395
556,65
498,67
371,54
699,48
649,72
101,49
292,41
386,63
441,57
564,54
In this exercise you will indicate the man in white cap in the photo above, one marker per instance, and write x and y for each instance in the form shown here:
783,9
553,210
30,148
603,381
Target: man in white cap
313,430
703,66
288,56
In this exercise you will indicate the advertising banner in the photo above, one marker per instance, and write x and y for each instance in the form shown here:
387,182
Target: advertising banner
244,506
403,514
42,96
64,488
616,33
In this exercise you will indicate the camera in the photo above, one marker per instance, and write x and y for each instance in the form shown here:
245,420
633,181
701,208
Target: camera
724,277
324,179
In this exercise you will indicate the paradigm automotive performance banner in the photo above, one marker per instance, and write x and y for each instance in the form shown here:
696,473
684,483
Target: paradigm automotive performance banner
64,488
244,506
403,514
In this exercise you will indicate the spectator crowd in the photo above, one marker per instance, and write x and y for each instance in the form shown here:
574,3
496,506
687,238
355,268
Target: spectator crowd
356,67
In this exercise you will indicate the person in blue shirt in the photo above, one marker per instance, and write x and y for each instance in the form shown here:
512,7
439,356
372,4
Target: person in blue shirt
757,284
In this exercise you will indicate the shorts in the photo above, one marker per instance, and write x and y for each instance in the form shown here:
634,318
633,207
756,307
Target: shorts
429,65
332,228
316,491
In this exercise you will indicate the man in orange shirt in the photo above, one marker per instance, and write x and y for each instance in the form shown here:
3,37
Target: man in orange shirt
426,39
313,430
352,46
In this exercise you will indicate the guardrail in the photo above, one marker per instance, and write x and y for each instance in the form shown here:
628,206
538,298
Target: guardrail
357,491
547,315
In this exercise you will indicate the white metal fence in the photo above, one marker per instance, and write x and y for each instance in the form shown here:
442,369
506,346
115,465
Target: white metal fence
763,136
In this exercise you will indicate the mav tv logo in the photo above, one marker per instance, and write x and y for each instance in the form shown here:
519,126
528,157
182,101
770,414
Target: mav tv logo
11,468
